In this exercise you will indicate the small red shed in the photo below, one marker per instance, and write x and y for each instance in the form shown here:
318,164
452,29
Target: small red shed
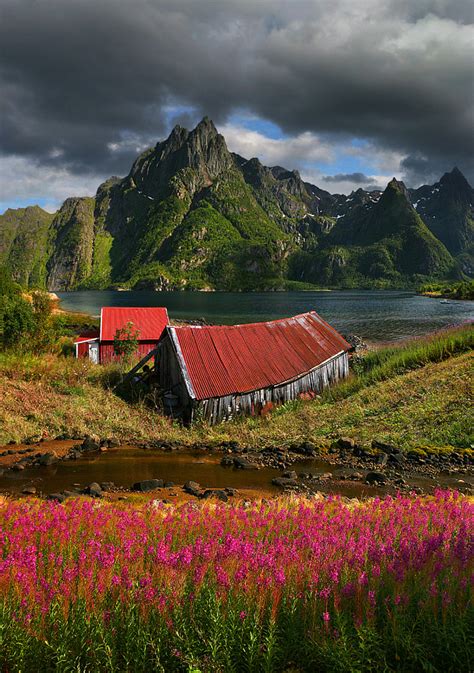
150,322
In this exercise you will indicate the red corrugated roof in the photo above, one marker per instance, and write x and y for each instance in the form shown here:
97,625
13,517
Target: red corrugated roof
223,360
87,336
150,321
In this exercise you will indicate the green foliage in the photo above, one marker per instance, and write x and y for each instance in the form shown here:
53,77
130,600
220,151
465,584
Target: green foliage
386,363
17,322
126,342
8,287
461,290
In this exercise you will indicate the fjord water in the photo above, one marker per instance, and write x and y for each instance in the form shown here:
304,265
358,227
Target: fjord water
376,315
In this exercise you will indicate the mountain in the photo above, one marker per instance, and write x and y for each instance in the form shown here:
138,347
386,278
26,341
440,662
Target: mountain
447,207
192,215
24,244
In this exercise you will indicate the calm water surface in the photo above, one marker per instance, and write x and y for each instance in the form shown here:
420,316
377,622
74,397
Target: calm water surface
376,315
127,465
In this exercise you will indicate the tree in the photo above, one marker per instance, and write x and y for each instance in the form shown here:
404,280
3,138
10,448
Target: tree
44,332
17,322
126,342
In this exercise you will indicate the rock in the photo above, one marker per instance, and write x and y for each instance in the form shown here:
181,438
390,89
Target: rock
147,485
231,491
227,461
396,458
193,488
290,474
10,452
220,495
346,443
18,467
107,485
29,490
400,481
90,444
2,472
305,449
48,458
58,497
381,459
94,490
282,482
383,446
375,478
169,484
244,464
324,475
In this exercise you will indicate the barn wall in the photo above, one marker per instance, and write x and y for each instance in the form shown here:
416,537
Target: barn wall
170,375
106,351
82,349
222,408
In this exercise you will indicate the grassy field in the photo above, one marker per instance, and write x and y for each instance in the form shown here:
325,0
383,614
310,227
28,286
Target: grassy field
414,394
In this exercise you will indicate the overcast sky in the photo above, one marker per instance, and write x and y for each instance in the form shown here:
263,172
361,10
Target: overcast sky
350,92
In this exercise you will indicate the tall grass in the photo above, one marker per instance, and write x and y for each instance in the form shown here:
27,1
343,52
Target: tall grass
385,363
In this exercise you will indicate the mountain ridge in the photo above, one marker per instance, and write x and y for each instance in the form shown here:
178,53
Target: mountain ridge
192,215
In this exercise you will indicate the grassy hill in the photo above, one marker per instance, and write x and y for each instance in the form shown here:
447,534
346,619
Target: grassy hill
411,395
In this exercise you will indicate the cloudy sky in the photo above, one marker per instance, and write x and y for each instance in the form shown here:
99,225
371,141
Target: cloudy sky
350,92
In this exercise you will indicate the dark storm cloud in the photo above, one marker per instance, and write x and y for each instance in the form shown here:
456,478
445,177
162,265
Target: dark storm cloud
87,82
356,178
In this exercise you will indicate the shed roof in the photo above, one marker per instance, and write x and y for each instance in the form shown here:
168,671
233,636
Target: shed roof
150,321
224,360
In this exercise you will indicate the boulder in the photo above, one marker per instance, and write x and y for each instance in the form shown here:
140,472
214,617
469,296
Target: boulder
193,488
375,478
147,485
282,482
29,490
345,443
227,461
169,484
18,467
396,458
220,495
48,458
381,459
289,474
107,485
383,446
90,444
58,497
244,464
94,490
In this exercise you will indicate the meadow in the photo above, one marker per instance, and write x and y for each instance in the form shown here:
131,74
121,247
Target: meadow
287,585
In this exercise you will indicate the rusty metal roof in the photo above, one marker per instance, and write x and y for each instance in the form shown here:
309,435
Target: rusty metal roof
150,321
222,360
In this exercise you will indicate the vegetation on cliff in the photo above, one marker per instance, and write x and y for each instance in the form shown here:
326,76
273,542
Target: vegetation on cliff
191,215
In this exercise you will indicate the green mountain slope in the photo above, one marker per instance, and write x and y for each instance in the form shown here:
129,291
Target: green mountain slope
24,236
192,215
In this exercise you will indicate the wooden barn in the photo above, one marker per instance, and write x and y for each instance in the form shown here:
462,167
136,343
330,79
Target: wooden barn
149,321
214,373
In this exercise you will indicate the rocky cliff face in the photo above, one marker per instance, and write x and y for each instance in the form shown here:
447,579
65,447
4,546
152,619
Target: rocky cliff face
72,241
192,215
24,235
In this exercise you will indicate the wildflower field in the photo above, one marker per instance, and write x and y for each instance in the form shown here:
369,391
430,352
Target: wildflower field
287,585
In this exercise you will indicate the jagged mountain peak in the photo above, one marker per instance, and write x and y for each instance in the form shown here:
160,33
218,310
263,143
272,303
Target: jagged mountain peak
455,179
394,189
185,162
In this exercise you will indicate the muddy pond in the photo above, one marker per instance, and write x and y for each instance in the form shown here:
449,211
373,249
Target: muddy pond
126,465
